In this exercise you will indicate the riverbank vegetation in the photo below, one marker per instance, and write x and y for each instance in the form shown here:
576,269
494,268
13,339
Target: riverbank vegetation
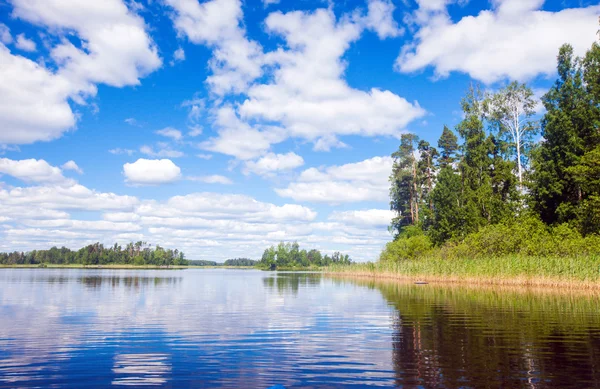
289,256
134,254
490,201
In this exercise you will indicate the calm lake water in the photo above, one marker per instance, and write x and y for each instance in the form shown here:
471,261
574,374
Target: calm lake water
75,328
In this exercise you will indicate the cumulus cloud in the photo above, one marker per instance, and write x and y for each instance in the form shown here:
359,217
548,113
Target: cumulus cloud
354,182
309,96
151,172
239,139
218,24
212,179
33,170
170,132
366,218
514,40
35,104
178,56
305,95
25,44
71,165
380,18
5,36
272,163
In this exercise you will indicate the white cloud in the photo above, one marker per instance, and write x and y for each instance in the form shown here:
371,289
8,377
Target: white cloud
267,3
272,163
25,44
308,95
170,132
380,18
35,103
132,122
163,151
151,172
33,170
514,40
354,182
213,179
238,138
364,218
304,95
118,151
218,24
204,156
5,36
195,131
178,56
75,197
71,165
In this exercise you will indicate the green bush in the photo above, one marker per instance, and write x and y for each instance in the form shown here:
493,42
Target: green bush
403,248
524,236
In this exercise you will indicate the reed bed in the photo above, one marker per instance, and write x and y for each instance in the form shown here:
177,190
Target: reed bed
564,272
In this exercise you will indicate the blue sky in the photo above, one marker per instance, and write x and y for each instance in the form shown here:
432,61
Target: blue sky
221,127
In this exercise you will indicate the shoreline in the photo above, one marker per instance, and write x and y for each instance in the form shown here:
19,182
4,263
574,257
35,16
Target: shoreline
120,266
506,281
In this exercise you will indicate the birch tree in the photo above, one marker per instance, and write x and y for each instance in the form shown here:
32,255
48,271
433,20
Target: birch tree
512,109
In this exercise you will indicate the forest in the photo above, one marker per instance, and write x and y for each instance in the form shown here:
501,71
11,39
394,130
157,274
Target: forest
138,254
289,255
511,179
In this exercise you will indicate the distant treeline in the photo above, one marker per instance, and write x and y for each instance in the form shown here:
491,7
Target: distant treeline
139,253
229,262
290,255
240,262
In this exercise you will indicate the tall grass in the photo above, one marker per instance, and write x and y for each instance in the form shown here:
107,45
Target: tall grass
574,271
523,251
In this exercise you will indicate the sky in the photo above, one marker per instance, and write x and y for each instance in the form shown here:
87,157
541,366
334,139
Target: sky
221,127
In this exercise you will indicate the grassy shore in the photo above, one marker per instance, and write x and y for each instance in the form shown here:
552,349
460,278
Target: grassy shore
564,272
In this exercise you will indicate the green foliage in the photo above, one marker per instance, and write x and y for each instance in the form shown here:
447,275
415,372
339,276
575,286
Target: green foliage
201,262
525,236
564,186
404,248
240,262
139,253
289,255
470,199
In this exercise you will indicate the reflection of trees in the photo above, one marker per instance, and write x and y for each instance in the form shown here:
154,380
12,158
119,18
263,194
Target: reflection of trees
291,282
457,337
130,282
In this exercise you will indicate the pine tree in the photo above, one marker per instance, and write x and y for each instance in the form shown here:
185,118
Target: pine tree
448,145
404,190
570,129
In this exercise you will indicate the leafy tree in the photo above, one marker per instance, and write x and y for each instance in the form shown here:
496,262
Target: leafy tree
512,109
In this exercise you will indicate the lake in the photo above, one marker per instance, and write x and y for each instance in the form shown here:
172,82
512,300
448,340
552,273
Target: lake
220,328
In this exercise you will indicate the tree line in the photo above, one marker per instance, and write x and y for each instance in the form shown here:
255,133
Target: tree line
503,163
138,253
290,255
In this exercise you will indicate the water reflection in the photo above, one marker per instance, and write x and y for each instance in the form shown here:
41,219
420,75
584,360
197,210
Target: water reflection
71,328
456,337
291,282
128,282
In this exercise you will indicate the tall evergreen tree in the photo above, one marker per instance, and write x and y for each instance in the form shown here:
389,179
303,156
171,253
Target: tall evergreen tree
570,129
448,145
404,190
